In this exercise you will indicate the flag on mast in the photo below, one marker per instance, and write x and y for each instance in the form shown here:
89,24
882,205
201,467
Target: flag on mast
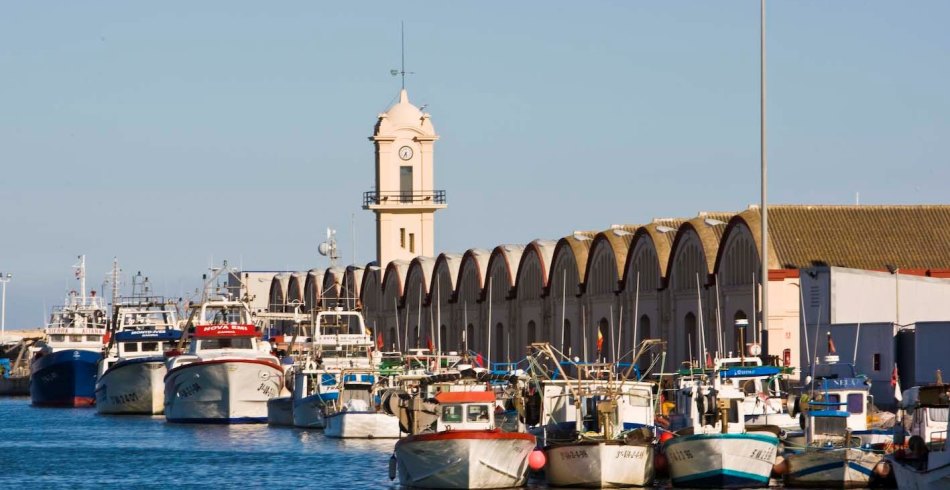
896,383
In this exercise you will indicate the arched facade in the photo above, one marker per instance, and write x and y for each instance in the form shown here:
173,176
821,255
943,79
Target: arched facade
421,322
332,287
313,289
531,284
444,278
644,279
393,310
371,301
469,291
505,345
608,254
566,286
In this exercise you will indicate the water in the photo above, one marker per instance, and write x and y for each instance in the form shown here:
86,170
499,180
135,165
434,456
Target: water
77,448
80,449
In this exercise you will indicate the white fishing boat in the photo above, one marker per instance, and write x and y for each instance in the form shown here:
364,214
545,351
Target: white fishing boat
355,413
765,399
462,446
925,464
597,429
228,374
131,376
340,341
718,449
832,457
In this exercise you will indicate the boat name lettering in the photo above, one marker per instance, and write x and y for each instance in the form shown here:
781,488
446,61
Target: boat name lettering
630,454
267,390
125,398
574,454
89,331
49,377
681,454
763,454
844,383
189,390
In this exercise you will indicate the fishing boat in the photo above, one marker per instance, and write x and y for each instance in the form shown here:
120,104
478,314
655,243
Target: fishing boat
596,429
131,376
717,449
455,442
340,341
832,457
765,401
925,463
15,371
64,365
228,374
838,383
355,413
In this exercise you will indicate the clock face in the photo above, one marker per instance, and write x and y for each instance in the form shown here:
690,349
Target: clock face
405,153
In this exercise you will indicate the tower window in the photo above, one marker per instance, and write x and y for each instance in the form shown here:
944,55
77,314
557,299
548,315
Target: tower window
402,237
405,183
412,243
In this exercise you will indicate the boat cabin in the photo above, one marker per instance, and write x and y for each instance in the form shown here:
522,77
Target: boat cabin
926,411
559,409
465,410
707,409
827,428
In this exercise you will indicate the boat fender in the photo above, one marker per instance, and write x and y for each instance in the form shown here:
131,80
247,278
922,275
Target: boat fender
392,467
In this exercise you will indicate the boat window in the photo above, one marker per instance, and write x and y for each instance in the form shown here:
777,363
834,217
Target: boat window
452,413
856,403
830,425
477,413
834,399
149,346
56,338
235,343
75,338
733,411
131,347
938,414
92,338
639,398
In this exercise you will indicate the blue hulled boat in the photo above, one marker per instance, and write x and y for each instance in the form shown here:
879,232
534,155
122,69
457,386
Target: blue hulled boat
64,367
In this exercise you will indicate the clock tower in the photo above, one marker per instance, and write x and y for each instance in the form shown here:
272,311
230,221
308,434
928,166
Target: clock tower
404,200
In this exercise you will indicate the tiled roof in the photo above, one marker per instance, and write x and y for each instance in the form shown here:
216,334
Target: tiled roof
861,237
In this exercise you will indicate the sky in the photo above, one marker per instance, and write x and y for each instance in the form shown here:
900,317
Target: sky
173,135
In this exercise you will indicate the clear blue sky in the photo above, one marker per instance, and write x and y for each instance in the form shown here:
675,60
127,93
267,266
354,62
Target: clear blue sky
171,133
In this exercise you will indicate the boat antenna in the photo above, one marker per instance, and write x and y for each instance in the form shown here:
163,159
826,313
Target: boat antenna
764,276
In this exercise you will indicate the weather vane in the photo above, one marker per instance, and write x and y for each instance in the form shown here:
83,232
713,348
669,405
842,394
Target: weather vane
402,71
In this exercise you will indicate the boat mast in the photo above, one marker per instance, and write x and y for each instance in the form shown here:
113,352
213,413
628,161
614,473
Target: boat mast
764,276
82,278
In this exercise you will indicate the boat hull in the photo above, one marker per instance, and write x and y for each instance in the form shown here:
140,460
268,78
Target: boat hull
280,411
15,386
464,459
231,391
134,386
599,465
935,477
833,468
64,379
721,460
361,425
308,411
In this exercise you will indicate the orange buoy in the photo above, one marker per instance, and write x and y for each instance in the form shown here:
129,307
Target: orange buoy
536,460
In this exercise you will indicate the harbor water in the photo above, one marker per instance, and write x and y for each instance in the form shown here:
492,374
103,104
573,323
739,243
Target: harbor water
80,449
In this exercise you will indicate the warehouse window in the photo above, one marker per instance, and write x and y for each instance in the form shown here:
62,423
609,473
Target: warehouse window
876,361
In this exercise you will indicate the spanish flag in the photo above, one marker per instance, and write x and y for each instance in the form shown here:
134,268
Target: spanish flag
600,341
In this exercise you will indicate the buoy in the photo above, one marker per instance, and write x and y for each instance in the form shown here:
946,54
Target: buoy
536,460
660,464
665,436
780,467
392,467
882,469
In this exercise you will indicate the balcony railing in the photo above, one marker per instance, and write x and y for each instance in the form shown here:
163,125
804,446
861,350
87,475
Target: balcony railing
373,198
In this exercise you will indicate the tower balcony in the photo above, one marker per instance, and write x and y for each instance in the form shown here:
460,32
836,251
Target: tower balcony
404,199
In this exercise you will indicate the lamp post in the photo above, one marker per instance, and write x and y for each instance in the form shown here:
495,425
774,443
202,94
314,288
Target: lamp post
4,279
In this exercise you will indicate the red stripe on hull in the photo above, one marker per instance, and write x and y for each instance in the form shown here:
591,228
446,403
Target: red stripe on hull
223,361
467,434
77,401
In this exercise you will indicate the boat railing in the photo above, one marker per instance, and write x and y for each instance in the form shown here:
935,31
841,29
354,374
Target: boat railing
375,198
938,440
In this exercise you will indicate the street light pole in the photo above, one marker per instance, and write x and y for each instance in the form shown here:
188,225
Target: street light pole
4,279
